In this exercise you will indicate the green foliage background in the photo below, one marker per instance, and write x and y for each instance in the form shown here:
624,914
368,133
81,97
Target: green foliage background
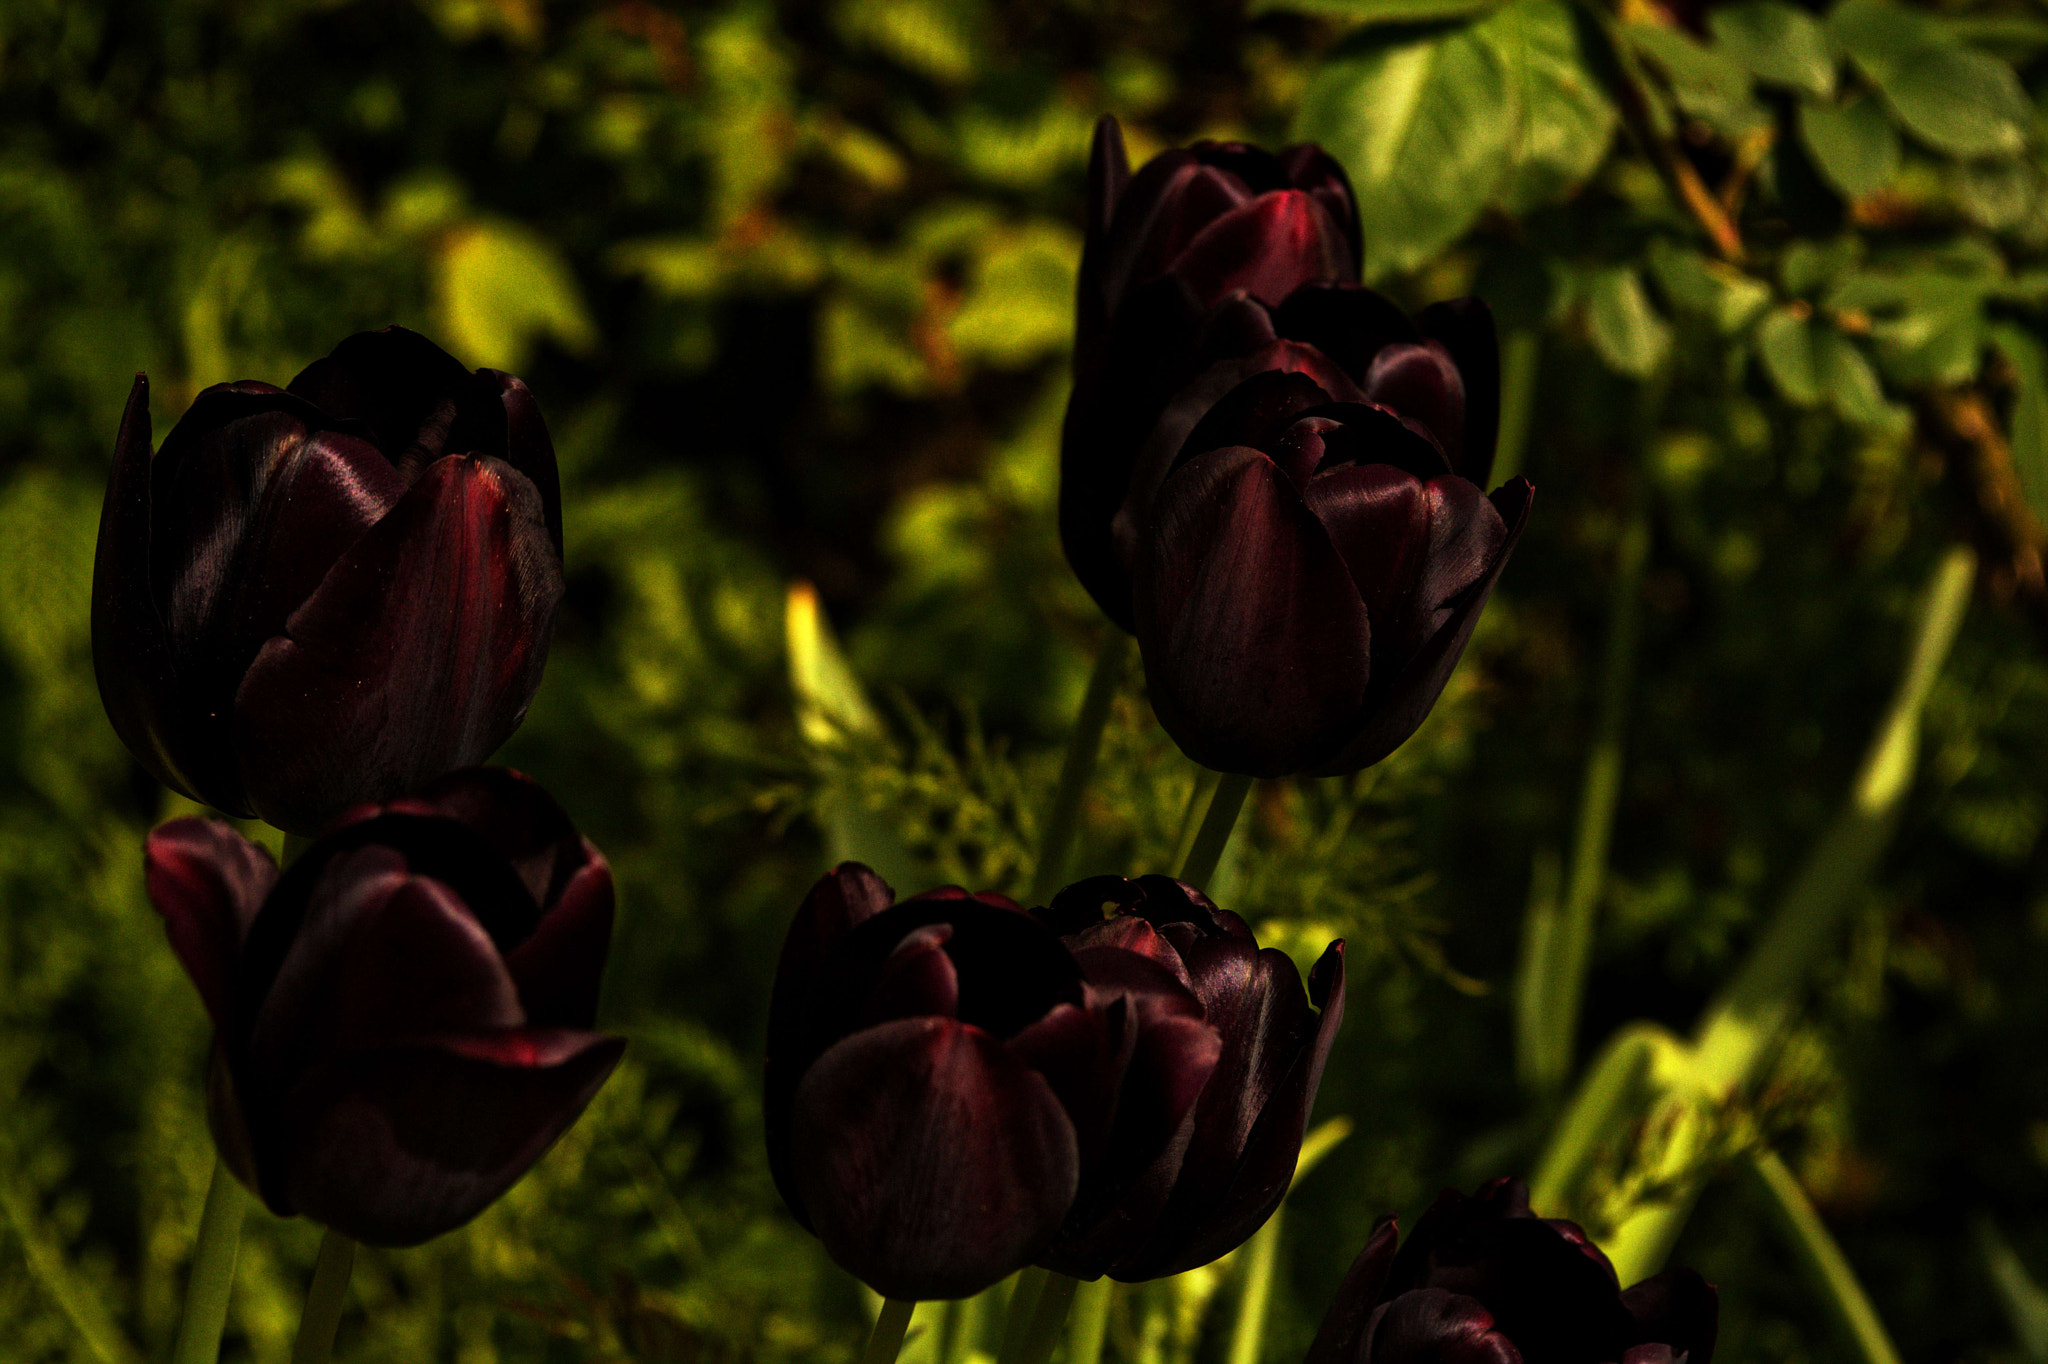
793,283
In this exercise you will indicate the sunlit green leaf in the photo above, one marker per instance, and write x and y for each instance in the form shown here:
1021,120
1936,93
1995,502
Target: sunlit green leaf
1706,81
1854,145
1624,325
1775,42
1377,11
1846,377
1563,120
500,288
1954,98
1785,345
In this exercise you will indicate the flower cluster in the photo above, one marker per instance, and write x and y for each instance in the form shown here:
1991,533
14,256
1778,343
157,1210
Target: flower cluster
958,1087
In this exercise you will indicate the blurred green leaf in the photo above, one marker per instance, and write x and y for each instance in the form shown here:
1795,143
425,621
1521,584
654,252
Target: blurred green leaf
1785,345
2024,351
1719,292
1624,324
500,288
1377,11
2024,1300
1954,98
1854,144
1775,42
1706,81
1425,129
1564,123
1847,379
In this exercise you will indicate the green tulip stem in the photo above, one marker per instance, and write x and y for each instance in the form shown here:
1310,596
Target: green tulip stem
1048,1320
1557,942
212,1277
1255,1292
1089,1324
1808,1238
1200,792
1520,353
325,1298
1024,1293
1216,827
1063,820
892,1323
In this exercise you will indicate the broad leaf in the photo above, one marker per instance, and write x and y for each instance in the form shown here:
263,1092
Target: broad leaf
1854,145
1377,11
1706,82
1954,98
1626,329
2028,357
1776,43
1563,121
1784,343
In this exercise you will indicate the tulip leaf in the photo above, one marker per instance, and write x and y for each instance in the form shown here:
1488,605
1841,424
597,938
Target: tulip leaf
1952,97
1776,43
1854,145
500,289
1433,128
2024,351
1625,327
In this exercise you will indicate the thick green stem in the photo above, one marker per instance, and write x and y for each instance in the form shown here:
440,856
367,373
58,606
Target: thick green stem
1047,1321
1063,820
1089,1324
212,1278
1200,793
1822,1259
325,1298
891,1324
1248,1332
1231,790
1520,353
1559,945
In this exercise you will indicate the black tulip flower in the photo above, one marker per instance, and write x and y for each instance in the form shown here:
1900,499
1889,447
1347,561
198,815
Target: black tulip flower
329,593
1160,1202
1482,1280
402,1017
943,1073
1311,541
1184,262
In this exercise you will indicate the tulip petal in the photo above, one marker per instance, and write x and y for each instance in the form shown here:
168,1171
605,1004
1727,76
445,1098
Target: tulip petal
398,1145
1264,1100
528,447
1168,201
1403,701
560,968
1422,385
1347,322
518,821
1341,1337
1082,905
1677,1308
131,655
917,978
1309,167
207,882
1109,172
1464,327
1260,412
931,1160
1256,643
1432,1326
1268,248
843,898
1178,417
417,962
417,400
417,655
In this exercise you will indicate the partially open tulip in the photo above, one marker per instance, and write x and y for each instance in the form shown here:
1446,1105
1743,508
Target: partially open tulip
1482,1280
943,1073
402,1018
1184,263
329,593
1311,539
1157,1203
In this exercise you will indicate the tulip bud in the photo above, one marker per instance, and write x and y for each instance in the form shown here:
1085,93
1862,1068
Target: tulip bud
1311,542
1186,1177
401,1018
330,593
941,1072
1482,1280
1184,263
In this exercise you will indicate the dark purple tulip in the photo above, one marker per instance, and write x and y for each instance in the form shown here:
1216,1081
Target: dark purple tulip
1184,263
942,1075
1482,1280
1312,543
402,1018
329,593
1160,1202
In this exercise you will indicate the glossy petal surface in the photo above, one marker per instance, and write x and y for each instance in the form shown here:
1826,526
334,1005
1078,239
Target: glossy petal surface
207,882
932,1161
417,654
1256,643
